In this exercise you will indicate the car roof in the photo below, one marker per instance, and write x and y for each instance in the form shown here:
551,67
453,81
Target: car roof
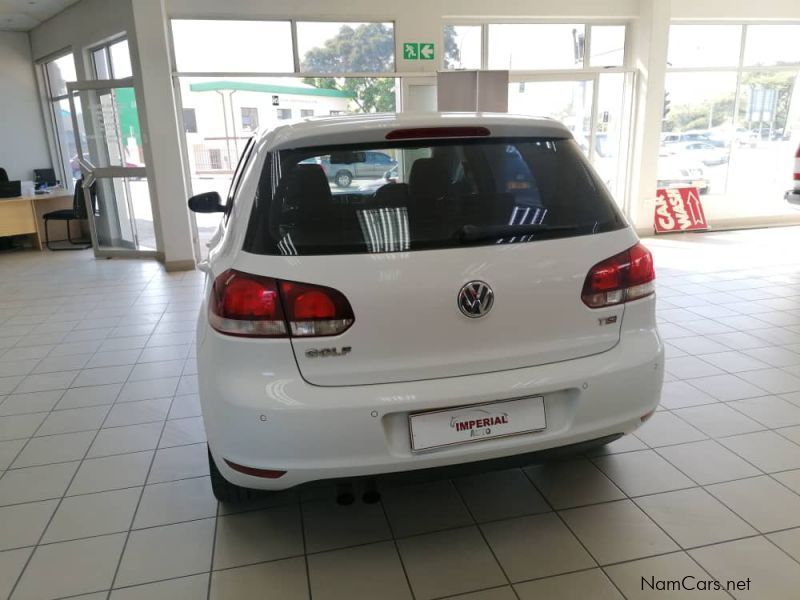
331,131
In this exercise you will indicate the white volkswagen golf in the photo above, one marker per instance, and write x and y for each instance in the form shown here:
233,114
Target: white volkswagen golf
482,301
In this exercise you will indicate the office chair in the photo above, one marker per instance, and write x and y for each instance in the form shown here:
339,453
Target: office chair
76,213
3,174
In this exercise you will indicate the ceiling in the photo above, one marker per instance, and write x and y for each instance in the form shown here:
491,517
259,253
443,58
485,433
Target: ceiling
24,15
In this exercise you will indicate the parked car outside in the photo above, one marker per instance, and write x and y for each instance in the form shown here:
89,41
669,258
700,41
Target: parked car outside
487,304
342,168
706,153
677,171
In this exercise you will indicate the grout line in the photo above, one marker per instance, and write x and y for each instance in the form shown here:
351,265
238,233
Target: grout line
483,534
396,548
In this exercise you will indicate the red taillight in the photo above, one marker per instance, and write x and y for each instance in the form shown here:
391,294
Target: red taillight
314,310
255,306
437,132
624,277
246,305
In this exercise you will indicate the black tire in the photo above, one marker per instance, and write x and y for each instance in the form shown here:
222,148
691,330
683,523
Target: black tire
227,492
343,178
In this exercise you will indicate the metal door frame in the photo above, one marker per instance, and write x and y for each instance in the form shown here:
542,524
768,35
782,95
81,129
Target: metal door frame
91,173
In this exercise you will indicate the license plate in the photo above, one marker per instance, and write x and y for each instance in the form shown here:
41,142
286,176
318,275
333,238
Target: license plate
466,424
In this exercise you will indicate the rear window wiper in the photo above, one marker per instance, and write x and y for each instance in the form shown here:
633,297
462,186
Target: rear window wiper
474,233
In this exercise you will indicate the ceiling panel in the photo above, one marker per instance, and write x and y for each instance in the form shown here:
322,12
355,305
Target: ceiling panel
24,15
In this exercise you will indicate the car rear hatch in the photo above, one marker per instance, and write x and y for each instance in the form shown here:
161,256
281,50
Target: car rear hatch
403,263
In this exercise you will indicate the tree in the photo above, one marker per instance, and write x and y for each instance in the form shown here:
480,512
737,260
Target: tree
452,51
365,48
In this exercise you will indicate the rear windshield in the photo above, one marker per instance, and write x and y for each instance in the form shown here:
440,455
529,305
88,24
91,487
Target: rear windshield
397,197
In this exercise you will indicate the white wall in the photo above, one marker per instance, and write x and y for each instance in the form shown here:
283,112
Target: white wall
83,24
23,145
736,10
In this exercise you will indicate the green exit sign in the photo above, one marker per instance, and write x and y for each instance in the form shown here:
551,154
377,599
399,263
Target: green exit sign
418,51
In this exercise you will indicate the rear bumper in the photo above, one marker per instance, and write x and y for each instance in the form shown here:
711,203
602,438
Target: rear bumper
268,417
792,197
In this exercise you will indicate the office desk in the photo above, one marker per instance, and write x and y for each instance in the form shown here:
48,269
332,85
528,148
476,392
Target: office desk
23,215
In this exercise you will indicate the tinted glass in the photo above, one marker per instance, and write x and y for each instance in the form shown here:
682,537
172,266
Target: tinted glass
430,195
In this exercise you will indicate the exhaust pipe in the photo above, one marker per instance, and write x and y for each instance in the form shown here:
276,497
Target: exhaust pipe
371,494
344,494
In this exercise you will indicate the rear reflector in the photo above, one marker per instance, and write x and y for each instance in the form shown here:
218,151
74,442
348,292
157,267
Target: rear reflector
248,305
624,277
437,132
264,473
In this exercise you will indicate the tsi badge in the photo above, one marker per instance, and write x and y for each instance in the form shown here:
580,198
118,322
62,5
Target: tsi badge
325,352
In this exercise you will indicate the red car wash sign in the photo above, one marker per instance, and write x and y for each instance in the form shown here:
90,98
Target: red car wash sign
679,209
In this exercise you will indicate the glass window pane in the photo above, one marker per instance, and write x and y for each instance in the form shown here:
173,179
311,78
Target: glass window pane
462,46
102,68
120,59
612,128
772,45
567,101
236,46
345,47
522,46
607,46
704,45
62,120
700,110
59,72
214,143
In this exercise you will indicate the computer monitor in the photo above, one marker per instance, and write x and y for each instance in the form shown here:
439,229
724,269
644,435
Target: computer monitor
44,177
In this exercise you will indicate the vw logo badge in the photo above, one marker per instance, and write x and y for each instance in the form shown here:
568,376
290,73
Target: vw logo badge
475,299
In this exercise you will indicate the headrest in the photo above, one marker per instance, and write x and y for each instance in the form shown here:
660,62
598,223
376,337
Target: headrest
307,188
428,179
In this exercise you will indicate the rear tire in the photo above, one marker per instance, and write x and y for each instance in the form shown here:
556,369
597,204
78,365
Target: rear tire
344,179
227,492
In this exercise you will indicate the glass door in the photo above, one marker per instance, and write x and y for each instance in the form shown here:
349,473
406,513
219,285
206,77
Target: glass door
110,157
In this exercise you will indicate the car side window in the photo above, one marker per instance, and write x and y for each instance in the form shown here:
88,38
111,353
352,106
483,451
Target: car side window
237,176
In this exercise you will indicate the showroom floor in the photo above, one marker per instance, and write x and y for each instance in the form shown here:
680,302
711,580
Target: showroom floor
105,482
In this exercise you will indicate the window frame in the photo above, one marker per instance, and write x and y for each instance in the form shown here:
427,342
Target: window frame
105,48
583,68
297,71
236,179
253,111
49,101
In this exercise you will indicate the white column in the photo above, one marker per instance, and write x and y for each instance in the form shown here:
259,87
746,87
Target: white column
162,134
650,37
